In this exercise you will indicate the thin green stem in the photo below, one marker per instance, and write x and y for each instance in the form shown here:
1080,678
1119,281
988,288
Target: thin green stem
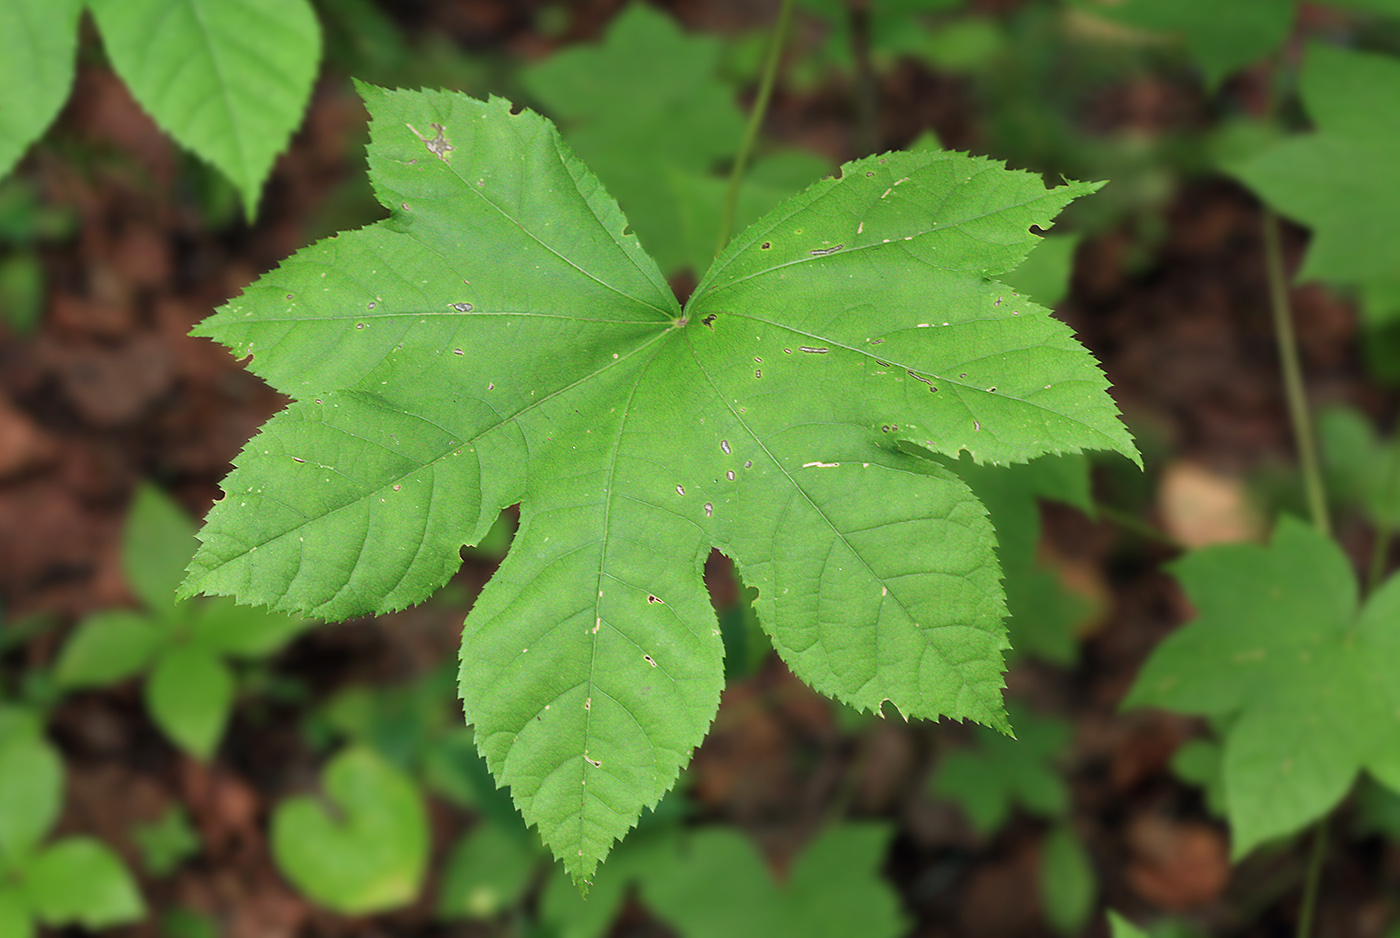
1137,526
1293,376
760,108
1307,911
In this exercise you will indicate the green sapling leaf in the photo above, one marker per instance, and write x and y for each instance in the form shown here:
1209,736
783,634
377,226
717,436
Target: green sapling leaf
108,647
229,79
1068,886
1304,673
36,71
190,693
182,644
80,881
156,547
31,787
372,853
501,338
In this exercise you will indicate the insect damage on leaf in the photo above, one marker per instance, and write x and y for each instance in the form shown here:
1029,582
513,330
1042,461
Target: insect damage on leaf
637,435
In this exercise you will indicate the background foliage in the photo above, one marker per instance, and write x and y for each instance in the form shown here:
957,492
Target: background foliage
208,769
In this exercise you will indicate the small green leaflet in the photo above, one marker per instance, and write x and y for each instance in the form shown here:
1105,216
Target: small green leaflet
1341,180
1303,672
501,338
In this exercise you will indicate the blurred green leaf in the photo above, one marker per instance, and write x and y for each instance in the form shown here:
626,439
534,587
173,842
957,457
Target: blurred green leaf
487,872
36,71
1340,180
189,694
986,782
1283,648
107,647
370,852
167,842
1198,763
21,291
31,787
14,914
717,885
221,625
1044,274
1362,470
1222,37
156,547
644,106
1044,616
80,881
1122,928
229,79
1068,886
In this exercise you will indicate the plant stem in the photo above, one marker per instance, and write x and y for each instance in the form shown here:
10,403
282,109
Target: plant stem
1293,376
1135,525
760,108
1314,877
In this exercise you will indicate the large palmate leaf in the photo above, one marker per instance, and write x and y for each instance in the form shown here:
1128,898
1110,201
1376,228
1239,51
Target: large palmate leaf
501,338
227,78
1304,673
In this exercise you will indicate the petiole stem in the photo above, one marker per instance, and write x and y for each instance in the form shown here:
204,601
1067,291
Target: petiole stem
760,108
1293,376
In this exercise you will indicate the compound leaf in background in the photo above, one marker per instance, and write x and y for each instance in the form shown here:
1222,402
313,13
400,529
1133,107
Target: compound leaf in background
370,852
229,79
36,71
1340,180
1304,675
1222,37
501,339
999,773
80,880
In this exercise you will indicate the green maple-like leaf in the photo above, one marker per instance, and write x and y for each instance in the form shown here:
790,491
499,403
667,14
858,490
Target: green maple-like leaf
1304,673
501,338
1340,180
